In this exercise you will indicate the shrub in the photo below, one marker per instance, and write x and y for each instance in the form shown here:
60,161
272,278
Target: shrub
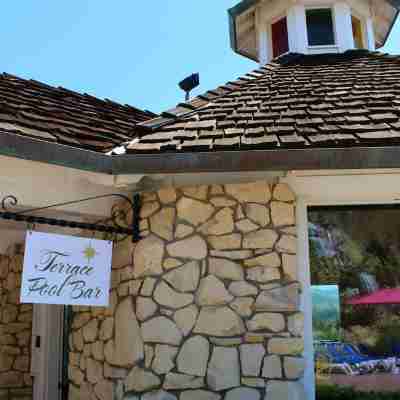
389,338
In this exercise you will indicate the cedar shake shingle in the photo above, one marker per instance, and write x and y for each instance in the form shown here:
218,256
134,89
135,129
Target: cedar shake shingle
40,111
297,101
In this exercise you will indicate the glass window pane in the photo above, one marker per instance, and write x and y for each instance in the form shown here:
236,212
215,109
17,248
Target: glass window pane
320,27
280,39
355,276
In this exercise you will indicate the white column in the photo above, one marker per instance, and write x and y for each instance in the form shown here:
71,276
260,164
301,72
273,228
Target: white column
370,34
297,29
263,46
263,43
304,277
343,26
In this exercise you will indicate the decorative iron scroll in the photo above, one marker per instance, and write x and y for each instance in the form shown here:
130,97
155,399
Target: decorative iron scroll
114,227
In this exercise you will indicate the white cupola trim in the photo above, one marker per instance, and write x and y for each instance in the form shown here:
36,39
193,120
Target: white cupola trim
347,17
364,24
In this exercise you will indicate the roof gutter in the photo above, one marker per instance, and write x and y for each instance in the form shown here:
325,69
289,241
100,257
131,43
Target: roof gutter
259,160
26,148
22,147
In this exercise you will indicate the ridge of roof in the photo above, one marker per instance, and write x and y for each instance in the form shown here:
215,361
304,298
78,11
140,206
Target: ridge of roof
277,106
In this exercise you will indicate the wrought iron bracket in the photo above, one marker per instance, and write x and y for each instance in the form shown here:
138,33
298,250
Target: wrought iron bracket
10,201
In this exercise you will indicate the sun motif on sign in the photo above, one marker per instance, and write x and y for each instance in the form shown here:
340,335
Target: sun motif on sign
90,252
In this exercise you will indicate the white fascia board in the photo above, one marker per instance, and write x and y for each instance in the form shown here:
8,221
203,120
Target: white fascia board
36,184
346,187
156,181
126,181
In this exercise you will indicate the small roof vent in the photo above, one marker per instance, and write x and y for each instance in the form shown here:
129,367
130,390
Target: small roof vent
189,83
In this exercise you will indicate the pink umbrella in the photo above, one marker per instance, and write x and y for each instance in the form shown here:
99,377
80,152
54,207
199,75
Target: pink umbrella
382,296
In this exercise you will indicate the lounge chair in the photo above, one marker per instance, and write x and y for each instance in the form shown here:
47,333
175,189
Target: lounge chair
325,364
387,363
374,362
339,353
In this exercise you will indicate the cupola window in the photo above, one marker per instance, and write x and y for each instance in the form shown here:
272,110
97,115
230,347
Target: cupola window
280,38
357,32
320,27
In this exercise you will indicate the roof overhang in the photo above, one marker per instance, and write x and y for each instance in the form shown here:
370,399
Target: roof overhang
385,15
27,148
260,160
242,29
208,162
243,32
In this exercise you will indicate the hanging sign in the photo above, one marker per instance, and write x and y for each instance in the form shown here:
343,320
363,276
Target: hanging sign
61,269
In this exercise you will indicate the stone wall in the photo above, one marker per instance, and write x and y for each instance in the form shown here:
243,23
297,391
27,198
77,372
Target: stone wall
15,333
204,307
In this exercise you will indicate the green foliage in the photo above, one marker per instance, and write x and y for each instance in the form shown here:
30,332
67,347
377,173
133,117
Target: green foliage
354,251
326,330
327,392
342,247
389,335
367,316
326,303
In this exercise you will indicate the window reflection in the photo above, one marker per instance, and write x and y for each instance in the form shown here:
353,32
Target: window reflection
320,30
355,269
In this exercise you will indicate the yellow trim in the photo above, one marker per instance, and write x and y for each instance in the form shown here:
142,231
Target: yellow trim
357,32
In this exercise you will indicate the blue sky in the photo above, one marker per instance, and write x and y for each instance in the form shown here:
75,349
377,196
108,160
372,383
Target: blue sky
130,51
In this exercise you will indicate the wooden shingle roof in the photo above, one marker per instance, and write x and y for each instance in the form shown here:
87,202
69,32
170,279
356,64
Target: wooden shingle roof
40,111
298,101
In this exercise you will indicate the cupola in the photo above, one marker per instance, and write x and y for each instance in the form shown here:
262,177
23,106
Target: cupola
265,29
